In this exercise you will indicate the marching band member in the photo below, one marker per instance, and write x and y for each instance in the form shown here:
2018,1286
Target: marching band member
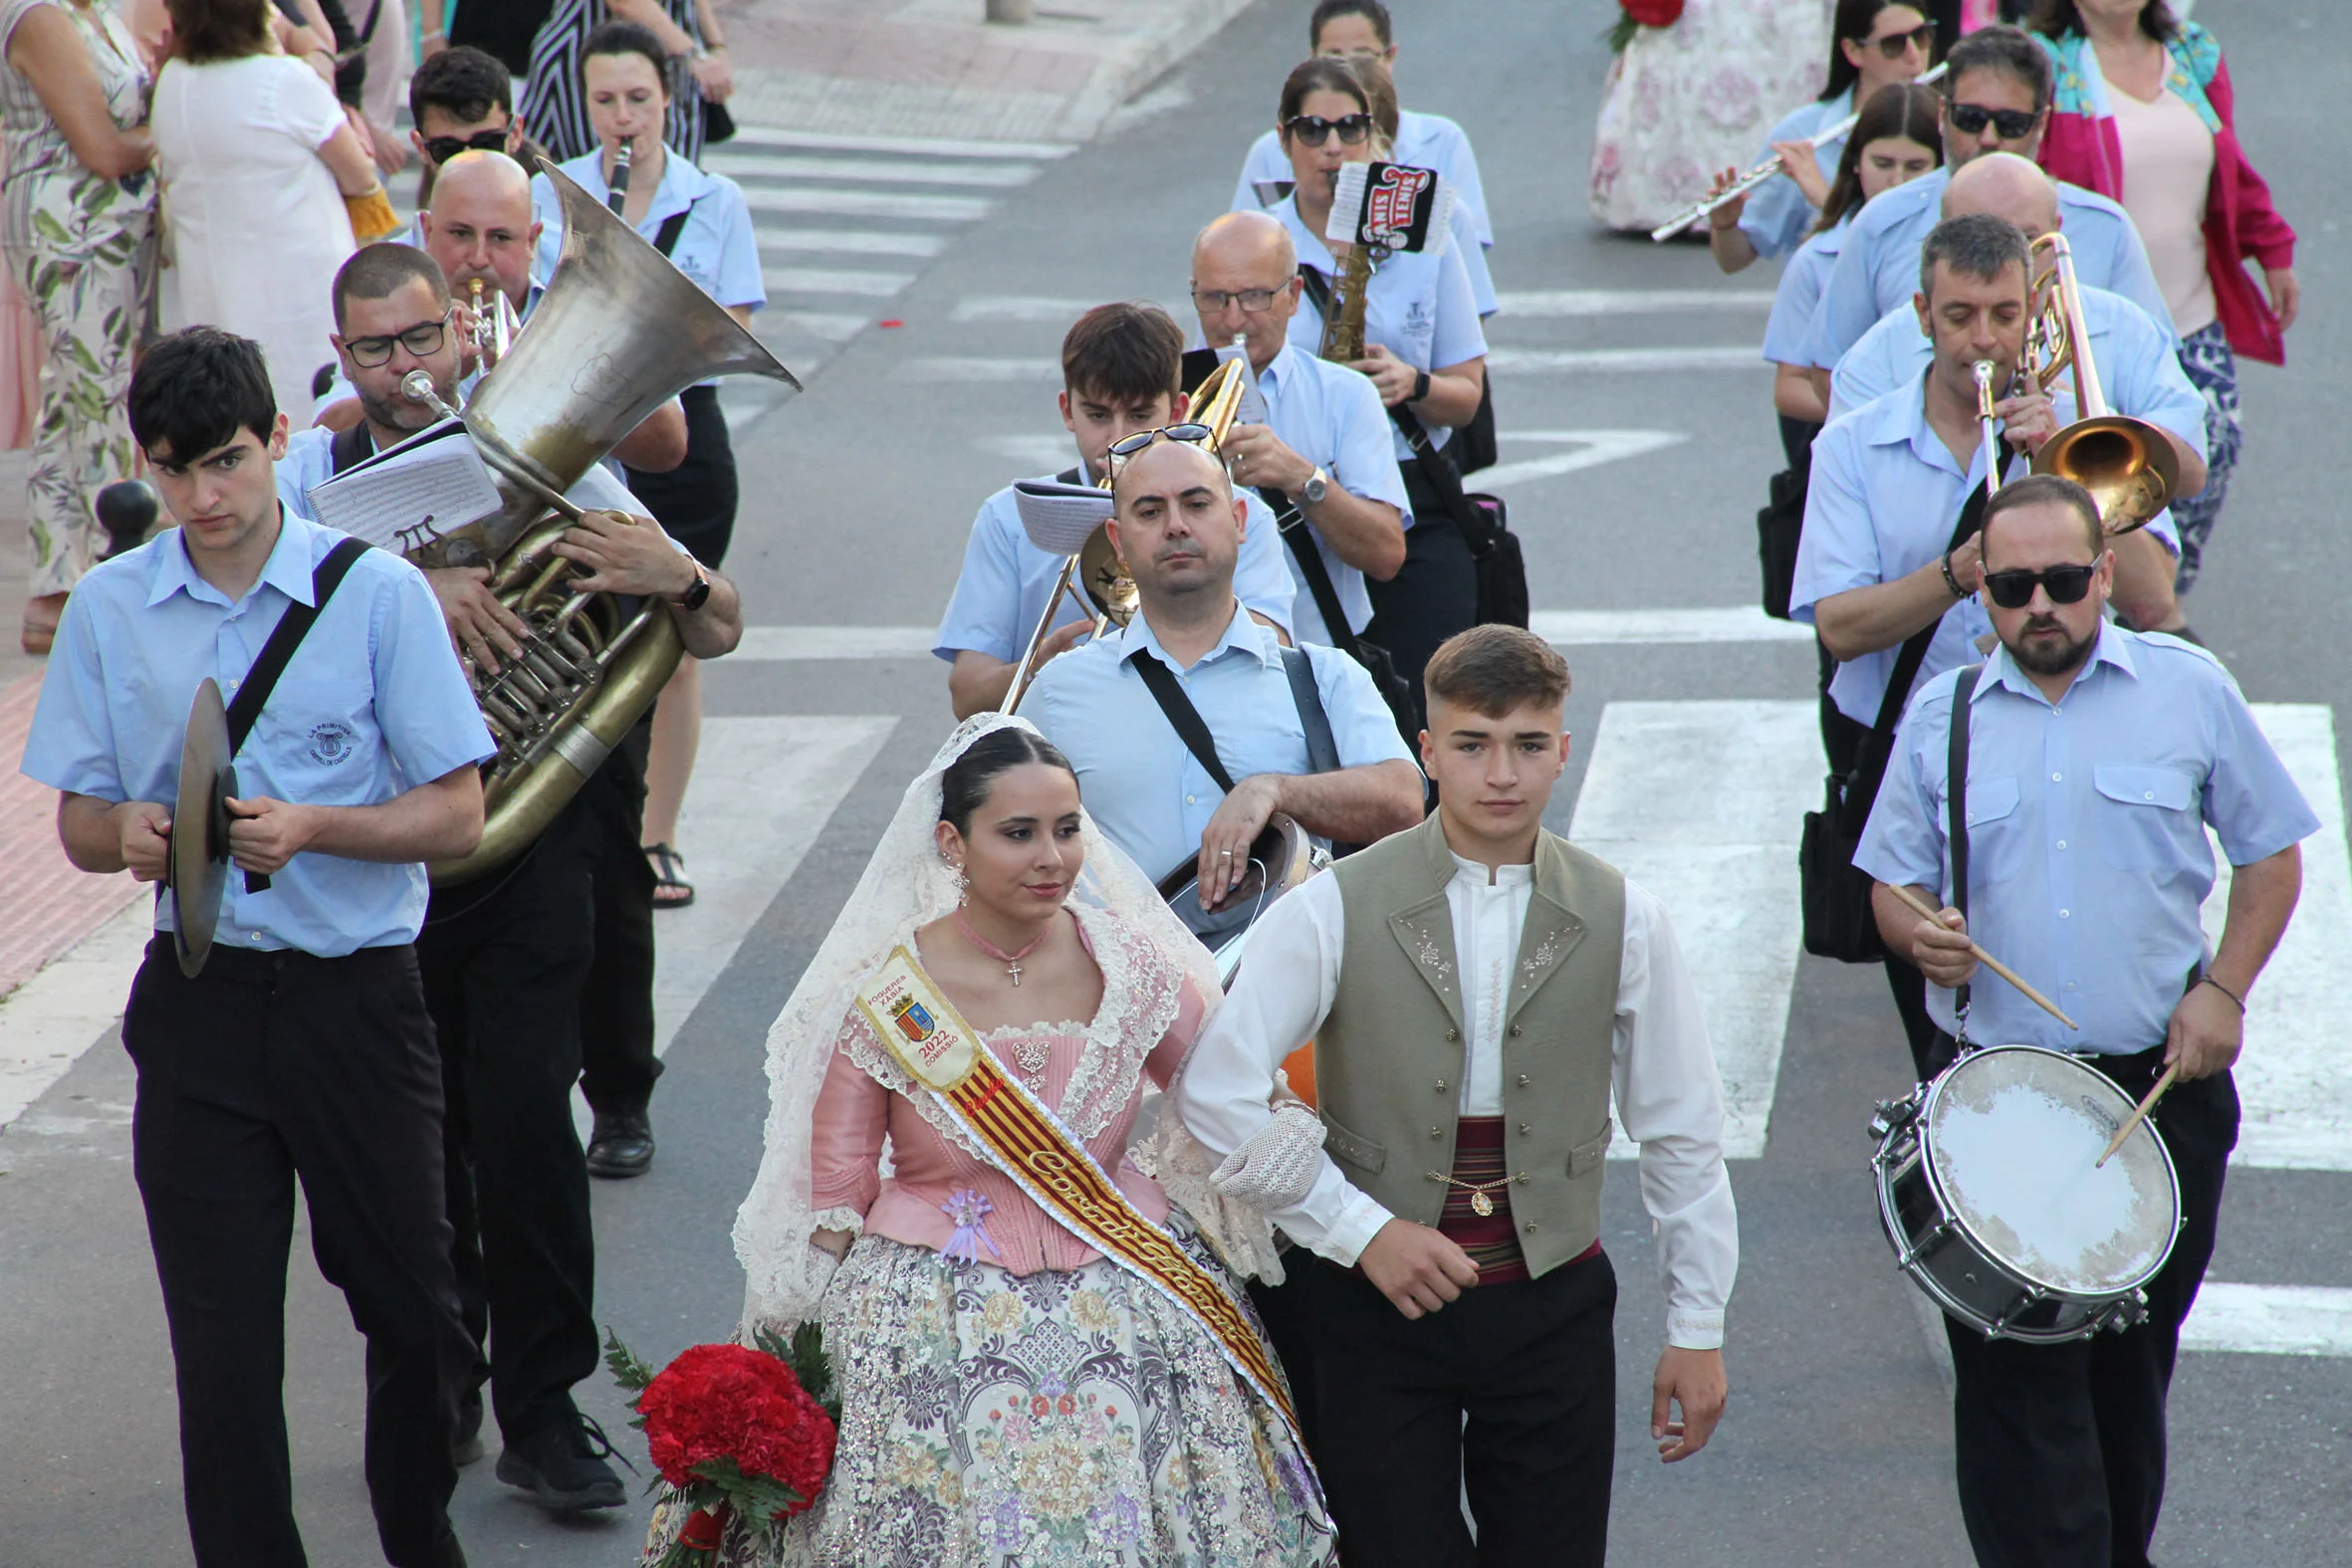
2096,760
1360,30
1423,349
1178,527
1877,563
1997,98
302,1050
512,968
1463,1335
703,225
1874,45
460,100
1323,459
1122,372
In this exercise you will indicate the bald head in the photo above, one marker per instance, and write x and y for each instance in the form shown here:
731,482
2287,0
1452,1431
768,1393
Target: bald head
1240,256
479,224
1167,470
1178,529
2006,186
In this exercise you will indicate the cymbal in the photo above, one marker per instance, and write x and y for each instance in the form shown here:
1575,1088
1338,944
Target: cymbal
199,861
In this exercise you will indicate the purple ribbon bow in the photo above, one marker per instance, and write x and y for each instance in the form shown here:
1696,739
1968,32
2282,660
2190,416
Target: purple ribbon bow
969,1208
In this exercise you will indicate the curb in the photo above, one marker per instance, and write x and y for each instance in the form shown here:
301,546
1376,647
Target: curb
1159,49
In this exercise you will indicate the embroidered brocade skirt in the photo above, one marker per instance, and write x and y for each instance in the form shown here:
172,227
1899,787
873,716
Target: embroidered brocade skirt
1066,1417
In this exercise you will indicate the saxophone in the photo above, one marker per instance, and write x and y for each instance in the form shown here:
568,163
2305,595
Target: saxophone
1344,323
618,333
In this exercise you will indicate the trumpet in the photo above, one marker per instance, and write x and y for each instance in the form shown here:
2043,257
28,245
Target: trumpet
1095,575
495,325
1774,165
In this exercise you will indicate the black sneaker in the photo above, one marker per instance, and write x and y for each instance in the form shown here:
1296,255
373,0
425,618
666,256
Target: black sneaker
563,1466
466,1447
620,1146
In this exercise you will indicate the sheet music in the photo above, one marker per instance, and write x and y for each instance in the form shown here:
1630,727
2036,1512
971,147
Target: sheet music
1252,410
429,485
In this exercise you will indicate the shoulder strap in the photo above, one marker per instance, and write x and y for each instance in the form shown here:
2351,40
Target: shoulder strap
665,239
349,447
1956,773
1292,524
284,637
1914,651
1323,753
1189,726
1319,289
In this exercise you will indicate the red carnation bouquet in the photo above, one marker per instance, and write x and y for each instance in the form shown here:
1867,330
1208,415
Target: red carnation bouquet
738,1432
1633,15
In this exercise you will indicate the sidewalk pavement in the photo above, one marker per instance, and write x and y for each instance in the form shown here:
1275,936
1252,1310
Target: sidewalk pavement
936,69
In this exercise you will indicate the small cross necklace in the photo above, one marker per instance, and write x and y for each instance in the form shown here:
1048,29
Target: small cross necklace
1011,961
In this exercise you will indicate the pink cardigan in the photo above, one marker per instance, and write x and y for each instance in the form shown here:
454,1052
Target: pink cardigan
2239,221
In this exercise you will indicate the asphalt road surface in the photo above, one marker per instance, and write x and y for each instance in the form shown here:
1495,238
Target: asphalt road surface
1633,480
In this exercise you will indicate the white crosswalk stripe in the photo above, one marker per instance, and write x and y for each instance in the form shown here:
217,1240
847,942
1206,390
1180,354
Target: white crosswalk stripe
850,242
834,280
872,172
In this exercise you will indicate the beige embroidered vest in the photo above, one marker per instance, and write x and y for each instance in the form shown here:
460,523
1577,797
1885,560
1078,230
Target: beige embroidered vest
1389,1060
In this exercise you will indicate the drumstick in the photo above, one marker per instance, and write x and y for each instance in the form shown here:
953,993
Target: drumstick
1987,960
2140,1115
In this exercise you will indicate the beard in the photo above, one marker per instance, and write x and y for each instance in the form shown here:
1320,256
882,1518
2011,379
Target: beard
2046,657
399,411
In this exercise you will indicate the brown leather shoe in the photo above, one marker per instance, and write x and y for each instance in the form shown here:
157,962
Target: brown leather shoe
42,613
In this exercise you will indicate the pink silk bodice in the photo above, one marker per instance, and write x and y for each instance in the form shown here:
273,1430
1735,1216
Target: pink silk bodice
1092,1079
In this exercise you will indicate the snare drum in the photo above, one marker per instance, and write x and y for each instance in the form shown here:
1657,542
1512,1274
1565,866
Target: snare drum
1988,1191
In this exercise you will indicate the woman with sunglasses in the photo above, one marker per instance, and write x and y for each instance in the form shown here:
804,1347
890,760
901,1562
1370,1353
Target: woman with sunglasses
1424,351
1879,44
701,222
2144,115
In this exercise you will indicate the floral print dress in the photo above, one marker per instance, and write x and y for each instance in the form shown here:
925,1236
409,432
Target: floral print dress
1050,1409
77,246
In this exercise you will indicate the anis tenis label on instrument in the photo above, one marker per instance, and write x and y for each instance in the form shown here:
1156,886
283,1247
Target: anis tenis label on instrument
1391,205
920,1027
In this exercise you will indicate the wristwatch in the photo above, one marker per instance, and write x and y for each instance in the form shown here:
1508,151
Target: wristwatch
1317,486
1420,386
698,596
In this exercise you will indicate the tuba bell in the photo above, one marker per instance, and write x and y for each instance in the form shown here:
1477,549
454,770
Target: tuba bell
619,332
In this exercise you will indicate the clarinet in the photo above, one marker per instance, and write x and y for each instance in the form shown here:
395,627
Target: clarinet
620,193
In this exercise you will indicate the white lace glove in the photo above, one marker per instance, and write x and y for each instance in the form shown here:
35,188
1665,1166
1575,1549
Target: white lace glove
1275,1166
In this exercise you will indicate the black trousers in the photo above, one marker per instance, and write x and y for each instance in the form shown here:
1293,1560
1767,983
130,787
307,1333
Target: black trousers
1432,596
617,1065
505,967
2060,1448
695,501
265,1069
1509,1393
1931,1050
1283,1313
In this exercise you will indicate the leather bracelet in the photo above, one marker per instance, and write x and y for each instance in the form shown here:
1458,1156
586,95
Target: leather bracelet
2208,979
1950,582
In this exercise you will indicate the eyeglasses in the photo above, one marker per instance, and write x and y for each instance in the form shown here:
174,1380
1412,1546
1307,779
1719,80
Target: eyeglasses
1128,447
1896,44
421,340
1253,301
1311,130
2065,585
1969,119
442,148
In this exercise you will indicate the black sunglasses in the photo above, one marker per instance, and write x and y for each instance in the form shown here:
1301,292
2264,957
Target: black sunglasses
1969,119
1311,130
2065,585
442,148
1128,447
1896,44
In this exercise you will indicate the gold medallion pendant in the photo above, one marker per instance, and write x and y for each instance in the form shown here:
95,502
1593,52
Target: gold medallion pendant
1480,1204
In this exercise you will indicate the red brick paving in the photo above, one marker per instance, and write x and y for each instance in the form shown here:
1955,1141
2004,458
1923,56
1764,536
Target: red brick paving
46,906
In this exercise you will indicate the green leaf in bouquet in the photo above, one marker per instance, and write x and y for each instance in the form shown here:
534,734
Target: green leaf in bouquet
754,1496
627,1370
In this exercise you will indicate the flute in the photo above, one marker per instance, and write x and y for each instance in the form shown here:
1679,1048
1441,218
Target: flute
1770,167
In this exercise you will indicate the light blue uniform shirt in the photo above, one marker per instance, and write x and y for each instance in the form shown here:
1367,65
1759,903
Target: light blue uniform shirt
1331,415
372,706
1777,215
1143,787
2139,369
1425,141
716,247
310,462
1798,292
1001,590
1419,308
2087,852
1883,498
1878,267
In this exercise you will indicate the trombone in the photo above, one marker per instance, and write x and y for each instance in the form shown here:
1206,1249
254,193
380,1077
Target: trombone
1776,164
1095,575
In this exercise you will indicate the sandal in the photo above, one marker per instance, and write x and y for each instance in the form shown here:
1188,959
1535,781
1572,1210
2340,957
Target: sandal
671,890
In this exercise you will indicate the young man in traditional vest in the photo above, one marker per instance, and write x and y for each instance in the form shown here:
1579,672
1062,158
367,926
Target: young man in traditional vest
1475,990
